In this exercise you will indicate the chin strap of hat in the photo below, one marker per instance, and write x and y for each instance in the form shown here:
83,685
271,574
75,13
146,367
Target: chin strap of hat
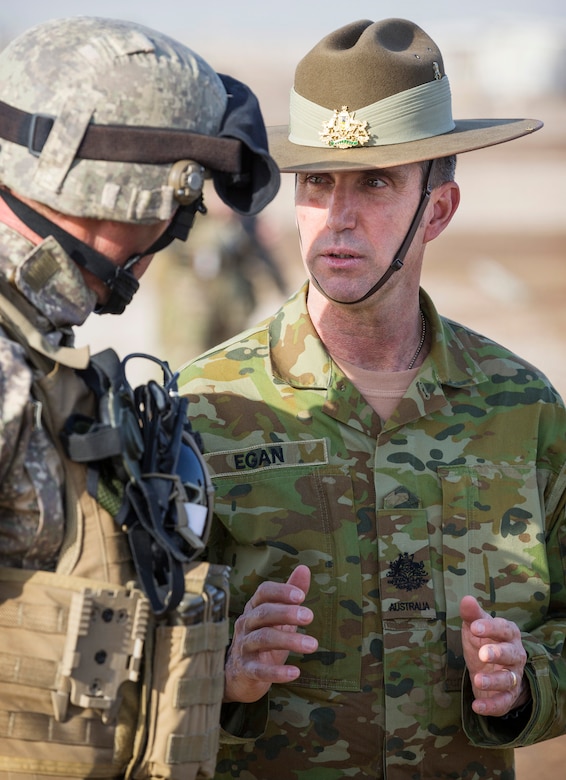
146,470
120,281
399,258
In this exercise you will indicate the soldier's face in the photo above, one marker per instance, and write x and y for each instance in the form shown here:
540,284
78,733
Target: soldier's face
352,223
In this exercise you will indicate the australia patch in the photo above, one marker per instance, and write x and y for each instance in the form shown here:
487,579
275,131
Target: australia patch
408,588
406,584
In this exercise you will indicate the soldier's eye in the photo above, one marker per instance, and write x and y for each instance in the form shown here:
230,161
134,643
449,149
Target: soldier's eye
375,181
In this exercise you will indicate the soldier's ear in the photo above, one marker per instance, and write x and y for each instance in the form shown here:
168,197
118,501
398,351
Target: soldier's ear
444,202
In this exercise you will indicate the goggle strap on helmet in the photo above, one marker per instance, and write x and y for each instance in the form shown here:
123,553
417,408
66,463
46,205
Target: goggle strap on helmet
117,143
121,281
121,291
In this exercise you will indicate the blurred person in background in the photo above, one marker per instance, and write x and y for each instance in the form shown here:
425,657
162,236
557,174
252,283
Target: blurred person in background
225,275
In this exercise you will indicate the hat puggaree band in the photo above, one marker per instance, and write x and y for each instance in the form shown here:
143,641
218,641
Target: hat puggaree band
420,112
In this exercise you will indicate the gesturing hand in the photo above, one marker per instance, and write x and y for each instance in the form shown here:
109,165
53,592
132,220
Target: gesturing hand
265,634
495,658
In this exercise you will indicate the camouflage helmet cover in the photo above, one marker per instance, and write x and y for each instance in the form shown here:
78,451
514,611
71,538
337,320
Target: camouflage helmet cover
86,70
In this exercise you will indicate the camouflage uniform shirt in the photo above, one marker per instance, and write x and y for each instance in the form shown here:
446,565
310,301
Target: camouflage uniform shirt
460,492
31,473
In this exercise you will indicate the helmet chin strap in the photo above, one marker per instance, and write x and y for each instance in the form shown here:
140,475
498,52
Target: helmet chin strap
399,258
120,281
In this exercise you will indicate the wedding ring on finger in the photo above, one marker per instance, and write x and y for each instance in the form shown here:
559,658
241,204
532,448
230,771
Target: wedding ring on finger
514,680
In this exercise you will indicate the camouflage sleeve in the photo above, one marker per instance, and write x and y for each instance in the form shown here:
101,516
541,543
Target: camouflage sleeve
545,644
31,498
242,723
14,393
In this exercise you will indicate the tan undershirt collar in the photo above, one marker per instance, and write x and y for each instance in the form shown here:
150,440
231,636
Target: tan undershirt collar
382,389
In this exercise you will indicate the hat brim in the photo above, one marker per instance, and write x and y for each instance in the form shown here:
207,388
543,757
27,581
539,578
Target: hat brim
468,135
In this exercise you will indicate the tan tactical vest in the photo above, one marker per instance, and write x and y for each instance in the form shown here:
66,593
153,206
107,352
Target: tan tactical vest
90,684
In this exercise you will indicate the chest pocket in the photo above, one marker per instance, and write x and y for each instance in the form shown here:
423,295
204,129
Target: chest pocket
281,510
492,548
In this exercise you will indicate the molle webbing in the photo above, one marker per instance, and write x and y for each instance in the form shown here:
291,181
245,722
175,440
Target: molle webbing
50,726
187,682
56,659
55,631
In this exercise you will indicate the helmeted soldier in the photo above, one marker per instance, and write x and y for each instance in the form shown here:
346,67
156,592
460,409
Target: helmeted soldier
107,132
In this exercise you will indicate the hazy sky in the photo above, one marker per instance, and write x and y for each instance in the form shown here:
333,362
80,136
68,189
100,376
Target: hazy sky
286,19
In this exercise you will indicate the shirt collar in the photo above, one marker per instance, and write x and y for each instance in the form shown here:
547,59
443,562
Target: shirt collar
299,358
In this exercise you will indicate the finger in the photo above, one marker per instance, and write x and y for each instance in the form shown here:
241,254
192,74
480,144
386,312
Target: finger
496,629
300,578
509,655
268,640
496,705
273,614
276,592
501,654
504,680
271,673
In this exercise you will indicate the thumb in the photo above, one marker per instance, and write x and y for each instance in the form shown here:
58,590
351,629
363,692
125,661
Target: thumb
470,610
300,578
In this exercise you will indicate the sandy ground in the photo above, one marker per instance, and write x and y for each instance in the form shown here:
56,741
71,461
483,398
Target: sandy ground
545,761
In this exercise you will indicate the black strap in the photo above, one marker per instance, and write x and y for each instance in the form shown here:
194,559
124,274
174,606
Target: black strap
122,283
117,143
159,574
138,437
158,562
111,435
